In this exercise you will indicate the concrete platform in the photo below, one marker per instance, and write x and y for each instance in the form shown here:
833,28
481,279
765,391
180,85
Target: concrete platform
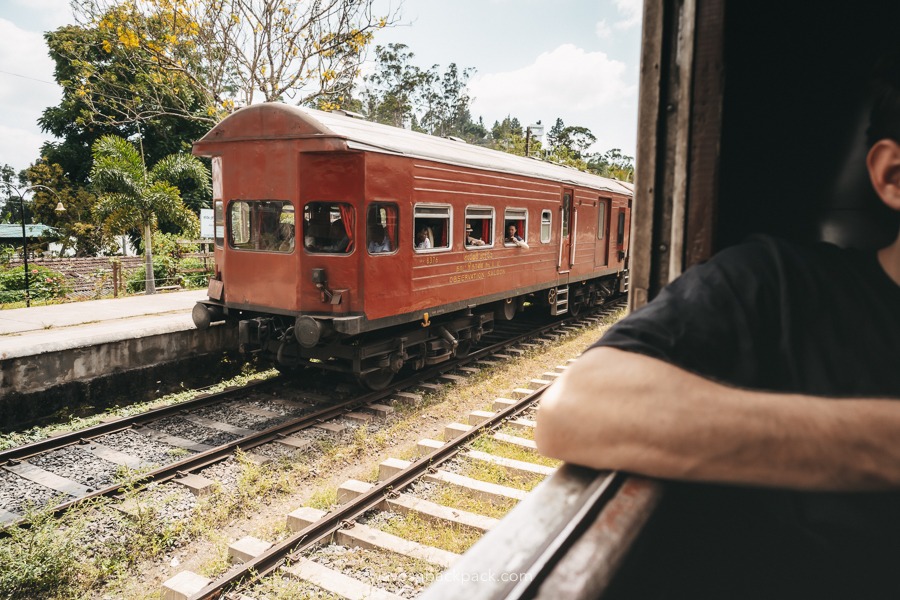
53,357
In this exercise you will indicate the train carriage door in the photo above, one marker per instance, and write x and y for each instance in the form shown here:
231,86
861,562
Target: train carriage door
566,232
602,255
621,225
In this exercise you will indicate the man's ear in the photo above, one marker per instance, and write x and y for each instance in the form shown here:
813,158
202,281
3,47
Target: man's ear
883,162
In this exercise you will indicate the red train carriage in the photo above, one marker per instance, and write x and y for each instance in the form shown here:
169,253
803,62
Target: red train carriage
362,247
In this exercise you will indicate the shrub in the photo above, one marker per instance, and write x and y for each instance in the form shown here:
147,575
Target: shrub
39,560
198,279
163,272
43,284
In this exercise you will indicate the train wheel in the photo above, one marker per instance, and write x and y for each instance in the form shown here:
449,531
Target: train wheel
377,379
506,309
463,349
575,309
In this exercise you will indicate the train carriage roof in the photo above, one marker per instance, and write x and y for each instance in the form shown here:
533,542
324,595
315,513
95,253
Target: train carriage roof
273,120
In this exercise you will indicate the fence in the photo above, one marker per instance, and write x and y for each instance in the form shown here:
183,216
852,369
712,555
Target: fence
110,276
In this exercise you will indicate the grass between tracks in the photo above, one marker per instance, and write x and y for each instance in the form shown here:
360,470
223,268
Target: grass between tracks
144,550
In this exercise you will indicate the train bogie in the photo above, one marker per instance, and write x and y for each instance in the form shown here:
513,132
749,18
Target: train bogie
364,248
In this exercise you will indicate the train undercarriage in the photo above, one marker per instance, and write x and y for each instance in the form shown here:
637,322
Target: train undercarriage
375,357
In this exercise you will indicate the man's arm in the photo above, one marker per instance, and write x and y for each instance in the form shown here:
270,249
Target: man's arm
614,409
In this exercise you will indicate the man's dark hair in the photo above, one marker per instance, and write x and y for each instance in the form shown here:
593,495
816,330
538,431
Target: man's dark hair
884,120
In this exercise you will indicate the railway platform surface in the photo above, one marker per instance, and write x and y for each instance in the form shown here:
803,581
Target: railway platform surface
37,329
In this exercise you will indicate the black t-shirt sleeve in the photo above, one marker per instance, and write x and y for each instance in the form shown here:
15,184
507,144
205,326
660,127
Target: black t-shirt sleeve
715,320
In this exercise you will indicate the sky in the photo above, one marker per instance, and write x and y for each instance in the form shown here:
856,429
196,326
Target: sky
536,60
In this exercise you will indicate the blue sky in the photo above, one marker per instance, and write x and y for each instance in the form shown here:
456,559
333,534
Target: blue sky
535,60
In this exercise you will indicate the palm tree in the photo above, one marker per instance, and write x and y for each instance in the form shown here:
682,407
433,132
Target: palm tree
132,197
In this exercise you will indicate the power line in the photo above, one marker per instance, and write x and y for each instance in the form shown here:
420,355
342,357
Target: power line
27,77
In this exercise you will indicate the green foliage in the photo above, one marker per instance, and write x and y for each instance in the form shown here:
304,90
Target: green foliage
39,560
43,284
612,163
401,94
163,274
199,279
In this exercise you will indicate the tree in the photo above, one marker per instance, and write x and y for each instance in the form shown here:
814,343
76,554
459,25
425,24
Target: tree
393,91
75,49
132,197
200,59
509,136
448,102
612,163
77,222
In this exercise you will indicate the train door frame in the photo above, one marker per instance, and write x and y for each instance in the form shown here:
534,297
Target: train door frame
567,222
601,256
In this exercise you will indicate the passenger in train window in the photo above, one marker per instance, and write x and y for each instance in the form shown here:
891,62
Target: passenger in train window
378,240
512,237
470,240
338,239
765,380
423,238
286,237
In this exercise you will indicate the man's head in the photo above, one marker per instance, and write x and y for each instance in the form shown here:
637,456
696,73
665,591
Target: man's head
883,134
511,231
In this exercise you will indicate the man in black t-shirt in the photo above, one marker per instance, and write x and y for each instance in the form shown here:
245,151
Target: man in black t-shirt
766,379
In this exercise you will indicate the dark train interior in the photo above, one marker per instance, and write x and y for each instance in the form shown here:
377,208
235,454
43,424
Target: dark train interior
791,163
794,116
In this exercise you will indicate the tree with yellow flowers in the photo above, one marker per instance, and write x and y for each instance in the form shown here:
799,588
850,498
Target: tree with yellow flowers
201,59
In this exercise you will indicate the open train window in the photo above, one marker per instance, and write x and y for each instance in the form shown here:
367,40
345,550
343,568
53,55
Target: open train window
381,228
431,224
620,232
545,226
567,202
602,209
328,227
515,222
219,221
262,225
479,227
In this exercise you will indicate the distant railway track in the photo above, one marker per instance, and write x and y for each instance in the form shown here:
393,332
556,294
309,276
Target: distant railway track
89,463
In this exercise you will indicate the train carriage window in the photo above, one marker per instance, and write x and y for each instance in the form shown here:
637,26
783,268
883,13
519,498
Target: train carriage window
545,226
381,228
219,220
328,227
431,227
602,209
518,218
479,227
620,232
262,225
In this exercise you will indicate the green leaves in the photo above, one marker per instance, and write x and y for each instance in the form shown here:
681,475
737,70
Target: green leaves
132,197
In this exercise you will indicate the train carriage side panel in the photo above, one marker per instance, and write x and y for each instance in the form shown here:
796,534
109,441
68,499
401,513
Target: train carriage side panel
453,271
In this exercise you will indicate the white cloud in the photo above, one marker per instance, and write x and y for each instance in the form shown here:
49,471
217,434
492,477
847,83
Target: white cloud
603,30
631,12
566,77
582,88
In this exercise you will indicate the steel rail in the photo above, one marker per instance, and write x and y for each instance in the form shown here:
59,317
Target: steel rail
209,457
292,546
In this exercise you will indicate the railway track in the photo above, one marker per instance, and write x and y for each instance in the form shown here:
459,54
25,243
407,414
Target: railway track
305,416
174,442
361,503
403,487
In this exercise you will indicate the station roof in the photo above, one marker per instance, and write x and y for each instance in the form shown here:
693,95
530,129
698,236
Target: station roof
275,120
13,231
